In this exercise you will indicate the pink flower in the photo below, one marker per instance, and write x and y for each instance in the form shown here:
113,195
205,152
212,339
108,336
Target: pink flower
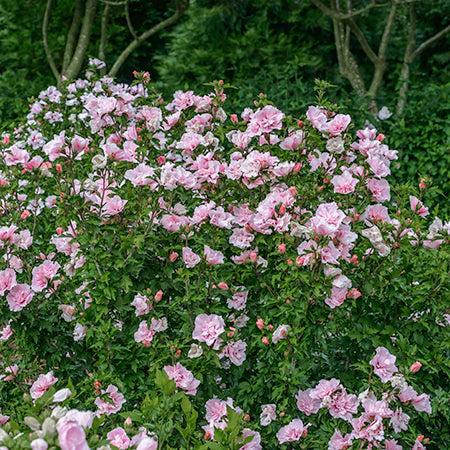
317,116
415,367
306,403
71,436
345,183
255,443
422,403
183,378
142,304
380,189
190,258
399,421
338,124
43,274
118,437
41,385
19,297
280,333
374,407
144,333
392,445
113,206
241,238
344,405
112,404
339,442
268,414
327,219
213,256
216,410
417,206
208,328
235,352
265,120
6,332
292,432
384,364
147,443
325,388
3,419
238,301
7,280
38,444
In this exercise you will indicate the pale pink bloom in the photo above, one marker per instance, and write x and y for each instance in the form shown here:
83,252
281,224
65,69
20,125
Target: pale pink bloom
3,419
325,388
339,442
216,411
417,206
376,213
183,378
317,116
144,333
79,332
392,445
7,280
240,139
172,222
292,432
147,443
38,444
208,328
6,332
190,258
407,394
82,418
380,189
213,256
415,367
71,436
422,403
337,298
384,364
418,445
238,301
327,219
61,395
113,206
293,141
118,437
265,120
338,124
280,333
105,406
344,405
235,351
43,274
142,304
241,238
268,414
255,443
19,297
377,408
141,175
372,430
41,385
306,403
345,183
12,370
399,420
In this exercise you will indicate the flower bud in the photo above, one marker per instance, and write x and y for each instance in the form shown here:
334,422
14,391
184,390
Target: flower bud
415,367
264,340
49,427
33,423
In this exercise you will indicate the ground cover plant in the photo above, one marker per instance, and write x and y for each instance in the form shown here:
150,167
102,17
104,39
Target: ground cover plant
179,276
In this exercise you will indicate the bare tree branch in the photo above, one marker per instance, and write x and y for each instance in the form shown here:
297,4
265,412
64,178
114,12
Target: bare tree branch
432,39
83,40
110,3
72,35
362,41
181,7
128,18
48,53
103,33
340,16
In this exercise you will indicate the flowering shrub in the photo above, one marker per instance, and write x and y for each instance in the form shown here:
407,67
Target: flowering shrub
218,280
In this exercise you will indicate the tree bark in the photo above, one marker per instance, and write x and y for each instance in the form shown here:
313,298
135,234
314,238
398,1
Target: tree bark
72,35
79,54
137,41
48,53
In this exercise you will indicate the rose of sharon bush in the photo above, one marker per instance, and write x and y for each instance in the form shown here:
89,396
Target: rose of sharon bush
160,249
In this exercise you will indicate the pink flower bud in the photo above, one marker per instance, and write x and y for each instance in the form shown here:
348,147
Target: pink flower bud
59,231
25,214
161,159
234,118
260,323
58,168
297,167
222,285
253,256
265,341
6,139
282,248
299,261
416,366
159,295
128,421
173,256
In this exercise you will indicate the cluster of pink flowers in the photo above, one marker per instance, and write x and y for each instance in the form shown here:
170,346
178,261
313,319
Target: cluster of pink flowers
372,425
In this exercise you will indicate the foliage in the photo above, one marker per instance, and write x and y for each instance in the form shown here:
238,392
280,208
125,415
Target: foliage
266,252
